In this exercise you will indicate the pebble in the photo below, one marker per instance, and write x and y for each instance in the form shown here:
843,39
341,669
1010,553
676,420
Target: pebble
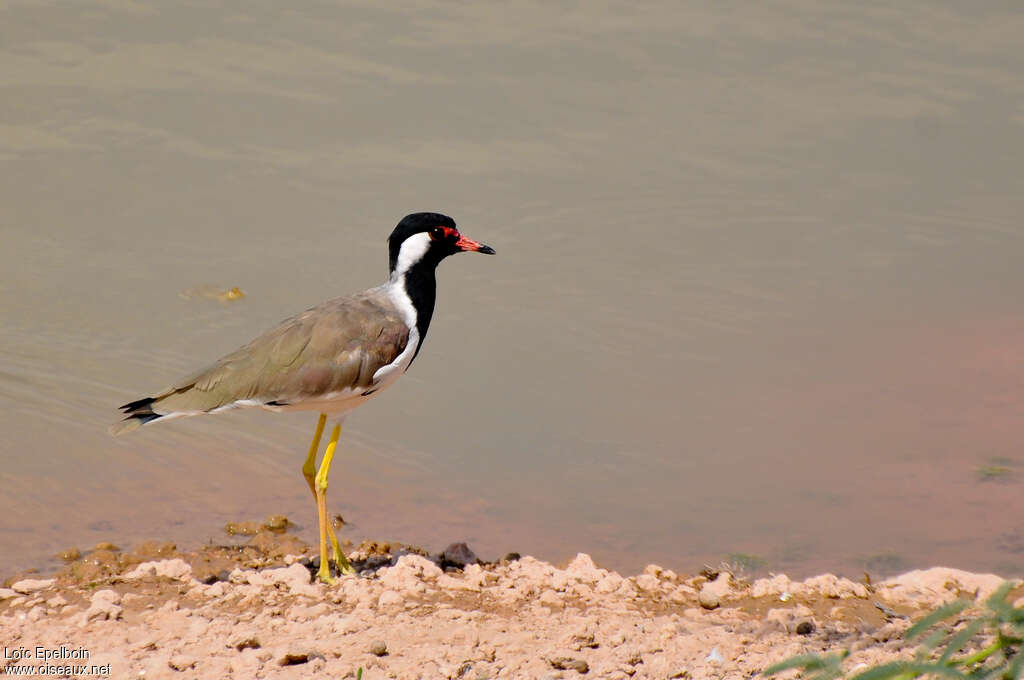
378,648
293,658
31,585
458,555
276,523
583,569
245,640
648,582
103,605
567,663
711,593
176,569
708,598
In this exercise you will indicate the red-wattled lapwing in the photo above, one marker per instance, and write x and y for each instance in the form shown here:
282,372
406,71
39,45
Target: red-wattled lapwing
330,358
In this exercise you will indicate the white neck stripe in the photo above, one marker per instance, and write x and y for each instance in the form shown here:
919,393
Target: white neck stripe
411,251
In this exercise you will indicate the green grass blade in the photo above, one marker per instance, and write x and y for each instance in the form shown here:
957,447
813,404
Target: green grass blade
909,669
806,662
944,612
1016,667
935,669
957,642
999,594
931,642
889,671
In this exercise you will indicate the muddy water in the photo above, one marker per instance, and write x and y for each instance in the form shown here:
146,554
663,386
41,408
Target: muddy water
757,291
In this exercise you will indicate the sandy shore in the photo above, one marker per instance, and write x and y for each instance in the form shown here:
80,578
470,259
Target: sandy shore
252,611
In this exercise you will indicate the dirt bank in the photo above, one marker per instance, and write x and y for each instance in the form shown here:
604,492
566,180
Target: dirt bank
252,611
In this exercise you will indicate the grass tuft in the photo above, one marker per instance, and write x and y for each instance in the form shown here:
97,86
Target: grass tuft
958,640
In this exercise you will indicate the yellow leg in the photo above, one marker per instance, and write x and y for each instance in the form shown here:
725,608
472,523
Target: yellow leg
320,490
309,467
309,472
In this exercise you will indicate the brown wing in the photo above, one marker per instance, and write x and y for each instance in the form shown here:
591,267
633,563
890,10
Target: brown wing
334,347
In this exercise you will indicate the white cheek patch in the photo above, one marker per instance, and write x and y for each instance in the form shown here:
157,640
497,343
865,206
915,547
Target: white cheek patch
412,251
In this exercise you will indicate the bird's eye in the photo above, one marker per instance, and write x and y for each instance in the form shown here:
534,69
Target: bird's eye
436,233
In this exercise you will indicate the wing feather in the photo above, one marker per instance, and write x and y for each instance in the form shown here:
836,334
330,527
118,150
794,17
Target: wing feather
334,347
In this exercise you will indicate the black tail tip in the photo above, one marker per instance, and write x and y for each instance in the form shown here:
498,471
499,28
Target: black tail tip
137,413
140,405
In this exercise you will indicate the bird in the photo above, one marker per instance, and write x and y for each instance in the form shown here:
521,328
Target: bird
328,359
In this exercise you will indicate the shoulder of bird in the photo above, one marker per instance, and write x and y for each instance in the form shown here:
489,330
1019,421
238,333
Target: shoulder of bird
334,347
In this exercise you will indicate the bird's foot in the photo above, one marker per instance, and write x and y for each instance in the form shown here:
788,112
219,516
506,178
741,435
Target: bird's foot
345,567
324,574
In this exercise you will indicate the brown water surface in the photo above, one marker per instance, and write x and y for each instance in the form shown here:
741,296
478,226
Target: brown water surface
758,285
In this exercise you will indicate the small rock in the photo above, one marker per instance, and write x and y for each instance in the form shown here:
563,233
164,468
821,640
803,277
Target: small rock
583,640
582,568
245,640
97,565
31,585
212,578
181,662
293,658
7,594
105,596
106,545
777,584
70,554
708,598
276,523
566,663
408,573
458,555
711,594
832,586
103,606
241,528
511,557
109,612
805,628
296,578
378,648
647,582
176,569
152,550
389,599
